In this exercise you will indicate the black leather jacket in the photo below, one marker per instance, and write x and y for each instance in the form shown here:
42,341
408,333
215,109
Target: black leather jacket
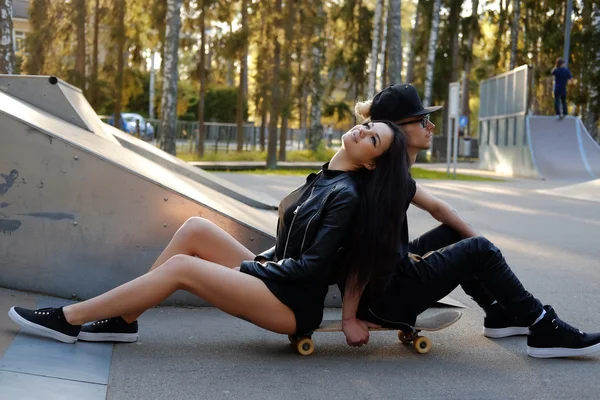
305,253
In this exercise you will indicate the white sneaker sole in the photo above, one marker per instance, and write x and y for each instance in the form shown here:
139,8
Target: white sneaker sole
40,330
505,332
108,337
552,352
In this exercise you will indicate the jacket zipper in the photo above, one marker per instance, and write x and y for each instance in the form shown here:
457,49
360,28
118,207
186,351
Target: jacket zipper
293,219
311,218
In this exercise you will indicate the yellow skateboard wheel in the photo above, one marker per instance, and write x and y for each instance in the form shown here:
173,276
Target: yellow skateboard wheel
305,346
422,345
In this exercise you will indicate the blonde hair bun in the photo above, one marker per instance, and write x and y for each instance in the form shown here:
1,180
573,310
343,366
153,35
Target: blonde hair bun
363,109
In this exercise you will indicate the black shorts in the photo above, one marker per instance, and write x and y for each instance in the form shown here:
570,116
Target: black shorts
306,302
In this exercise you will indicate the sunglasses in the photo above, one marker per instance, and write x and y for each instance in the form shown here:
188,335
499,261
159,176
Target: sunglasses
424,121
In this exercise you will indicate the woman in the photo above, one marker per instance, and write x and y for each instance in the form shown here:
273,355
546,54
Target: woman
282,289
433,265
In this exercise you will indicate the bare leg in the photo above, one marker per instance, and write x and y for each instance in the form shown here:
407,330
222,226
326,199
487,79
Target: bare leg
233,292
201,238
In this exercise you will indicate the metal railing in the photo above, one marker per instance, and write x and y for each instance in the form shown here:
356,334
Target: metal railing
221,137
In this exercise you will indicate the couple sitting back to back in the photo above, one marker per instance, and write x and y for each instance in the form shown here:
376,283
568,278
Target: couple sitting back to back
346,225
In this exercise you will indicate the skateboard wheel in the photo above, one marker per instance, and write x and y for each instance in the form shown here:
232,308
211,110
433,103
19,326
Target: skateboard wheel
403,338
305,346
422,345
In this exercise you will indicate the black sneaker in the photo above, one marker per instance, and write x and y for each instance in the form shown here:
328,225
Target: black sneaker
110,330
552,337
498,324
49,322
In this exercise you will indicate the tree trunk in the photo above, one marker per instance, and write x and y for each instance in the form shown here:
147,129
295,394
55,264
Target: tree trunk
39,38
374,48
435,23
287,87
168,121
384,51
275,108
7,54
593,111
413,43
455,26
514,33
119,34
499,42
242,94
263,123
80,18
94,72
473,26
318,49
202,78
394,42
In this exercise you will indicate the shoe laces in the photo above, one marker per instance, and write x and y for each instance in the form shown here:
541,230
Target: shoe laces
558,323
101,322
44,311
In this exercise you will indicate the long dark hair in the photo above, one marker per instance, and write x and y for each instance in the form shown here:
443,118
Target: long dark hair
377,232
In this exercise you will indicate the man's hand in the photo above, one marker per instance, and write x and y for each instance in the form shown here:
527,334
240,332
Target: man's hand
357,331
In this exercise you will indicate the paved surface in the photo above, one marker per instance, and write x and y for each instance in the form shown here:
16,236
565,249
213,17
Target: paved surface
551,242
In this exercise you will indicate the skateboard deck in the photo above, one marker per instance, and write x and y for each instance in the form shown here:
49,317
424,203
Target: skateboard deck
407,335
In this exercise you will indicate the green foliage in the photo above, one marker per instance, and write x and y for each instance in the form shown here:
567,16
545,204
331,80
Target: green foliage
220,105
321,154
346,34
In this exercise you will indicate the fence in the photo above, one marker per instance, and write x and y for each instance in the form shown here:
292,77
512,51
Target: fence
503,109
221,136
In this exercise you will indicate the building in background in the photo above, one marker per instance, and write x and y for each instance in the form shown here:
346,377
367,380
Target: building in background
20,24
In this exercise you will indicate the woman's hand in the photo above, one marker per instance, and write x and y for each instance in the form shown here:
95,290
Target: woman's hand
357,331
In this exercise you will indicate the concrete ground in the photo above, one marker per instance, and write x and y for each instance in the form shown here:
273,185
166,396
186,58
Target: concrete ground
551,242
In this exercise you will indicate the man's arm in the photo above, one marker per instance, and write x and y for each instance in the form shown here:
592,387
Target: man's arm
355,330
443,212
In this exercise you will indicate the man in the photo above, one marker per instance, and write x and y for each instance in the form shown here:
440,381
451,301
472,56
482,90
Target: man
561,78
452,254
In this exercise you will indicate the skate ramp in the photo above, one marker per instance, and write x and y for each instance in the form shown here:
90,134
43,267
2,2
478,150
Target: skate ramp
252,198
563,149
56,97
81,214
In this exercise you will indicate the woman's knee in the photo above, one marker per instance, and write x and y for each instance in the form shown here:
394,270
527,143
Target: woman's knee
194,227
176,268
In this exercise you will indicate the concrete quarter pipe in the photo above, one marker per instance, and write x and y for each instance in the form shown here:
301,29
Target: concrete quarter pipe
563,150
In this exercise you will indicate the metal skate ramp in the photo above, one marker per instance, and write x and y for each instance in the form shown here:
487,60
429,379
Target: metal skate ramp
253,198
67,102
540,147
56,97
563,149
81,214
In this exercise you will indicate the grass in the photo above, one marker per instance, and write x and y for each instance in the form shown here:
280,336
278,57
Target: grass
417,173
420,173
322,154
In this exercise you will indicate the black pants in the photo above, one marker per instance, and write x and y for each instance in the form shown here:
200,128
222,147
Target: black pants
560,100
439,262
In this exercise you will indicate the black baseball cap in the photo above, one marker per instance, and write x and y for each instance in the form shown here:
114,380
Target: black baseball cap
396,102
